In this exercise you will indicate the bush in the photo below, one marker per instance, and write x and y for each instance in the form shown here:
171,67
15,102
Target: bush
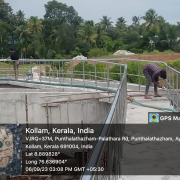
58,56
136,51
96,52
116,69
155,52
75,53
109,45
175,65
47,71
158,52
88,69
101,69
58,64
84,48
168,51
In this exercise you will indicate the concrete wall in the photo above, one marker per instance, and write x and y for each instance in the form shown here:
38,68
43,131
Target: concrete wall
13,109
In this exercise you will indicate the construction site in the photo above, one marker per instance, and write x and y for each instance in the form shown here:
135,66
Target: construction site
69,97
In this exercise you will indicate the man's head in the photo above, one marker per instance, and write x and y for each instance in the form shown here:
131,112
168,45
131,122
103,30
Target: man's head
162,74
11,50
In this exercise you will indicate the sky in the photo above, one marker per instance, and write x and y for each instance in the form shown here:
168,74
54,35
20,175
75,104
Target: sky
96,9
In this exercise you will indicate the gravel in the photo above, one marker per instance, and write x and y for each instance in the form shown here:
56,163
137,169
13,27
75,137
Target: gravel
123,52
80,57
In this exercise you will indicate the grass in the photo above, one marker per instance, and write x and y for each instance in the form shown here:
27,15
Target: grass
111,56
158,52
155,52
10,65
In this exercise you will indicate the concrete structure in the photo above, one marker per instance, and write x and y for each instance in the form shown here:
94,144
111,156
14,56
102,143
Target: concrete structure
89,106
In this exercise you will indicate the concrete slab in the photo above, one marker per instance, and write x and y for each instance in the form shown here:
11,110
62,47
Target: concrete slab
137,114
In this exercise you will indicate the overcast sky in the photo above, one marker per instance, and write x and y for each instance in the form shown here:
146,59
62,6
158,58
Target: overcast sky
95,9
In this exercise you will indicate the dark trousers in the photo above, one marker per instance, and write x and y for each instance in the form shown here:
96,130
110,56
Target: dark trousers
149,81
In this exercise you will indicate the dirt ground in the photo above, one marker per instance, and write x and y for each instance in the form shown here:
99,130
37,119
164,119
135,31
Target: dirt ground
152,57
157,57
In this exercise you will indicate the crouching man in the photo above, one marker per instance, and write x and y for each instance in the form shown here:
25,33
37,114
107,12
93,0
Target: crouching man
152,73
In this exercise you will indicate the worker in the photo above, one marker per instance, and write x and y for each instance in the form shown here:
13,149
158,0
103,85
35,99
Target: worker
15,57
152,73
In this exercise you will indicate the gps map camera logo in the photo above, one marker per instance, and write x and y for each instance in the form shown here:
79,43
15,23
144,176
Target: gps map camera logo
153,117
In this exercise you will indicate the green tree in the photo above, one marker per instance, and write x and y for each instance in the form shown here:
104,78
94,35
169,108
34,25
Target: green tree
87,34
136,20
5,11
151,19
106,22
58,13
100,36
35,24
121,25
22,32
171,37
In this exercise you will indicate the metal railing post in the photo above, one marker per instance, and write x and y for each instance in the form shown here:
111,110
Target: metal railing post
23,69
173,87
4,70
31,71
120,74
83,75
49,71
167,81
95,77
170,85
108,77
40,72
71,63
9,71
177,86
45,70
53,71
139,75
60,72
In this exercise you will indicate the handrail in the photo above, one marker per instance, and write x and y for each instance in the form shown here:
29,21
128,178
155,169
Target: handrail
93,60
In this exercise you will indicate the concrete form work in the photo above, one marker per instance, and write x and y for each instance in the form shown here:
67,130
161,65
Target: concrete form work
62,105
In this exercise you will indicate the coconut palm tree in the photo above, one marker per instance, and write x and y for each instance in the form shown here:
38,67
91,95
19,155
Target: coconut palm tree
87,34
121,24
171,34
105,21
136,20
121,20
35,24
22,46
57,35
101,35
22,32
151,19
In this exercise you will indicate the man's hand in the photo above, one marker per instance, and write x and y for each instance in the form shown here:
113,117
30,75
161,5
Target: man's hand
158,84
